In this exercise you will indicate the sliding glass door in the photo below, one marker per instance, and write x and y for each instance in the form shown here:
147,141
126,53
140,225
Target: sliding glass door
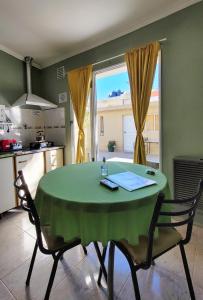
115,131
109,125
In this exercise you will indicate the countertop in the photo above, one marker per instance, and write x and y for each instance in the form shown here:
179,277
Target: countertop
27,151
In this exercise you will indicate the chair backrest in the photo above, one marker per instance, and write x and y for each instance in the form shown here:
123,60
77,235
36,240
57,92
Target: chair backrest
187,216
28,205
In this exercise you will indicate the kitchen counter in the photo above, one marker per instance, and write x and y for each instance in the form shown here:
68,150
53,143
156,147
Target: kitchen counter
33,163
6,154
28,151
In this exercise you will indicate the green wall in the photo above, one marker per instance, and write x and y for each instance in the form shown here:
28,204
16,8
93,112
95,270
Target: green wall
13,79
182,79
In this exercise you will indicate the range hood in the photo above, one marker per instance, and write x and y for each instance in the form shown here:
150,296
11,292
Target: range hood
29,98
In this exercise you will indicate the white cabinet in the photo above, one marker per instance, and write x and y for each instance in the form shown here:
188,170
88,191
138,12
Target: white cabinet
32,166
53,159
7,190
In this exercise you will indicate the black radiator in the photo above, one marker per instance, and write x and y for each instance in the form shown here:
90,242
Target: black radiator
187,173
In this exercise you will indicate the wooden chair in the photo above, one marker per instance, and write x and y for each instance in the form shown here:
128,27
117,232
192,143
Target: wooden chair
150,248
56,245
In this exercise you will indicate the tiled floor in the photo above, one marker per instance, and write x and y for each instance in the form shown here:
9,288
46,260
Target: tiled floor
76,275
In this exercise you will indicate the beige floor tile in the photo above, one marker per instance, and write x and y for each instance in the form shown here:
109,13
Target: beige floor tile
76,286
198,293
74,256
77,274
156,284
8,230
200,238
198,268
90,267
15,281
20,218
172,260
14,252
31,231
4,292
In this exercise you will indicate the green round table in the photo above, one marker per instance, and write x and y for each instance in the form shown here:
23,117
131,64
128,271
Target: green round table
74,204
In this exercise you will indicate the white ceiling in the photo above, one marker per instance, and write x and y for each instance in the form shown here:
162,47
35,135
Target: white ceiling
51,30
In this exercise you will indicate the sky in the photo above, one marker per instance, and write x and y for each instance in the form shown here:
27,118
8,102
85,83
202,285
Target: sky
105,85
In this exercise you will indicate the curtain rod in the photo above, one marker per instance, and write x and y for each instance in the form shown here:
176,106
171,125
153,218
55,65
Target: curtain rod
119,55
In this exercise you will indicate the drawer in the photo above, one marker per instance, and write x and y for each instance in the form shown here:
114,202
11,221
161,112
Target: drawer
32,166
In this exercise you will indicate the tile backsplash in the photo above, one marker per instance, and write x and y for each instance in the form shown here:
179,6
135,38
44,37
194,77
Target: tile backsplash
26,123
54,125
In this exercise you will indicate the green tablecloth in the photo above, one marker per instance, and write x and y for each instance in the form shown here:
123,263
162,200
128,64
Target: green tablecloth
74,204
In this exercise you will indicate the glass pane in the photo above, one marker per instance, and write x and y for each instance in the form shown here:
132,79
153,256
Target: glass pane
116,131
87,130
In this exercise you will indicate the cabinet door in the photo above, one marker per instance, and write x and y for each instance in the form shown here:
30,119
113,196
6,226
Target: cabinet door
54,159
32,166
7,190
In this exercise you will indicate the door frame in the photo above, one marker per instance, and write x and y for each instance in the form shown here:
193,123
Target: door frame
123,117
159,61
93,110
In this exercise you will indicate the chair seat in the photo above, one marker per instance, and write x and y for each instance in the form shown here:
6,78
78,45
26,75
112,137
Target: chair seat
54,242
167,238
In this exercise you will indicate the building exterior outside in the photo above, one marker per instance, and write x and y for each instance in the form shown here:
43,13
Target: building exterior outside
116,123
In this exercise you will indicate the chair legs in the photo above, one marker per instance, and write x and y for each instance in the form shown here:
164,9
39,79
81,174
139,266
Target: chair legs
187,272
134,274
56,258
133,270
31,264
111,273
85,250
135,283
100,260
110,278
100,270
52,276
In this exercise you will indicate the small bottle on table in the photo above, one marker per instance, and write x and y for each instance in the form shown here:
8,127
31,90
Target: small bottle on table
104,168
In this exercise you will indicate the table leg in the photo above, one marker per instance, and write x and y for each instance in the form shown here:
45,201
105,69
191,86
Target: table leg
100,260
110,278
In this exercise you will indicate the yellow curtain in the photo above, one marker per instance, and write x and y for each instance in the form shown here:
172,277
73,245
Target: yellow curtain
79,81
141,64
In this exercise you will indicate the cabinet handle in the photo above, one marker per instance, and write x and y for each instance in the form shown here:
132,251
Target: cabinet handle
22,161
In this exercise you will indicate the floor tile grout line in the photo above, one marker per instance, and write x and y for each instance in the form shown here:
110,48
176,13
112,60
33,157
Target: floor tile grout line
75,266
29,258
3,283
25,261
30,235
125,282
20,227
2,278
